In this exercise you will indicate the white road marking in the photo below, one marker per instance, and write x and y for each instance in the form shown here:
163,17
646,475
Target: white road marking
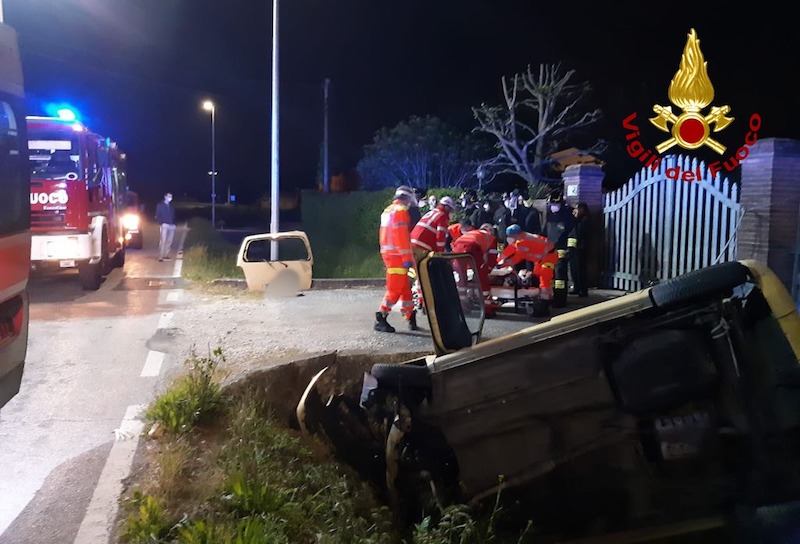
96,525
102,510
152,365
164,320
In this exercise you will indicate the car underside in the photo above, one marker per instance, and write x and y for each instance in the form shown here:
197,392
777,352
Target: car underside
673,407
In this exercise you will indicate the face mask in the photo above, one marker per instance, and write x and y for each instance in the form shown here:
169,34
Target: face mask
555,208
168,199
486,207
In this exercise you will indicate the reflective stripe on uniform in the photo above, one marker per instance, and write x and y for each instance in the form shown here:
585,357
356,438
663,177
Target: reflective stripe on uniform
401,270
562,253
421,244
548,265
560,284
572,242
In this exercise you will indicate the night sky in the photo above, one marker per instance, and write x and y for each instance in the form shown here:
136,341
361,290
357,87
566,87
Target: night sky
138,70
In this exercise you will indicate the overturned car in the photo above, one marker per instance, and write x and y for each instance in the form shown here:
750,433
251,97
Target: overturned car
668,411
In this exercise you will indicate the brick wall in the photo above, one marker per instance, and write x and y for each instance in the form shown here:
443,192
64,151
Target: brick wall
770,196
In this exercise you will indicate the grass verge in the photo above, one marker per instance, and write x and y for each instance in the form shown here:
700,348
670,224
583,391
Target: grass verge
207,255
224,470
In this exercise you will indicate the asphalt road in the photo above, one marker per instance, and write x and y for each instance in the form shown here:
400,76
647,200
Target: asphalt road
93,361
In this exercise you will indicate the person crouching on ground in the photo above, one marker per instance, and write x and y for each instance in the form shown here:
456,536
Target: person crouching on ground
482,245
395,247
535,250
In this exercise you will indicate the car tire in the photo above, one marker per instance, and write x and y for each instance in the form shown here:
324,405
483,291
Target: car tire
537,309
135,242
402,374
698,284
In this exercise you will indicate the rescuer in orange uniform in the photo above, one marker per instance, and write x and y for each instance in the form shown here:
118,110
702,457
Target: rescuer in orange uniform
430,232
455,230
482,245
395,246
523,246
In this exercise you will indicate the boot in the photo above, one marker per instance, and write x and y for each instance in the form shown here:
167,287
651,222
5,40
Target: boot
381,325
412,321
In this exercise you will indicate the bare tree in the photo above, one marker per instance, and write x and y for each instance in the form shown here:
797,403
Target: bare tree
541,111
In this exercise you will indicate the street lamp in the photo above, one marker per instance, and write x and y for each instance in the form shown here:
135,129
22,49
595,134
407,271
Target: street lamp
208,105
274,172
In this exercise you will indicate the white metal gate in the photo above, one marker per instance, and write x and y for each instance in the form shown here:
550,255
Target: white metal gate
657,227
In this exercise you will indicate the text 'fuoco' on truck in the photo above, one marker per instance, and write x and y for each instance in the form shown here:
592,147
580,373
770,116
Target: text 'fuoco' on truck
77,199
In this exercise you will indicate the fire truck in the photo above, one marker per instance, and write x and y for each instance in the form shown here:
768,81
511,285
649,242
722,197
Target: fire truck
76,197
15,236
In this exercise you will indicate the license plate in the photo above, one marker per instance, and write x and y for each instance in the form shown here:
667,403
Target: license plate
67,263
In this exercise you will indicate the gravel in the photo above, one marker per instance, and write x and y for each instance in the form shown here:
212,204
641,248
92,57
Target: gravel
255,331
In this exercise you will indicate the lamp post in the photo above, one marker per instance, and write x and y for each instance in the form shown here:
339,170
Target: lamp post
208,105
274,177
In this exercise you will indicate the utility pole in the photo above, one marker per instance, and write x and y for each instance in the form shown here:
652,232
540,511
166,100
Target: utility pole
326,175
275,193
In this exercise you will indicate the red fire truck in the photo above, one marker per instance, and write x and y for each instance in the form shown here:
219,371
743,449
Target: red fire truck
15,236
76,198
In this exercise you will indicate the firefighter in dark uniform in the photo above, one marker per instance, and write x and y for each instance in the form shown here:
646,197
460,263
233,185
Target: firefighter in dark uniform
558,224
577,250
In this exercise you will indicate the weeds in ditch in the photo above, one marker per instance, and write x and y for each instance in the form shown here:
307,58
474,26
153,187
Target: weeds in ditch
457,524
190,398
250,481
245,478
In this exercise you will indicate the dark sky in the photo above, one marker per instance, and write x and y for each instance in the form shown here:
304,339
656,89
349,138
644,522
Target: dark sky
138,70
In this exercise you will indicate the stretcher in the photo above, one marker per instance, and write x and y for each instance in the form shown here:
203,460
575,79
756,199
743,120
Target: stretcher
507,286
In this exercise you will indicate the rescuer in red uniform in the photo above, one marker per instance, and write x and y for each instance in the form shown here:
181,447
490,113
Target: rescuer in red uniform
430,232
395,247
482,245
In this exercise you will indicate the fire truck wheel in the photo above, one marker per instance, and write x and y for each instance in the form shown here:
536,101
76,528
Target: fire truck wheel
119,258
90,276
106,264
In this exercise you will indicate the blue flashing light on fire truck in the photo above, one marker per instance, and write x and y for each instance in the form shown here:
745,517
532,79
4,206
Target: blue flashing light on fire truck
77,192
15,236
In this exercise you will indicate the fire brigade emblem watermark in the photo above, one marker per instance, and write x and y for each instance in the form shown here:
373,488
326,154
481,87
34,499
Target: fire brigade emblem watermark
691,91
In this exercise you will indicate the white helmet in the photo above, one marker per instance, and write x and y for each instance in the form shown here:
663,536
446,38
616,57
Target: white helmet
447,201
405,191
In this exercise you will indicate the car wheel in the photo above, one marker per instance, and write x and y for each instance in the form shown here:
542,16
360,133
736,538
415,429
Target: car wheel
537,309
135,242
713,280
402,374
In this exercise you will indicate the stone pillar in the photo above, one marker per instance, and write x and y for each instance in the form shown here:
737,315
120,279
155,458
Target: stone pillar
770,196
584,183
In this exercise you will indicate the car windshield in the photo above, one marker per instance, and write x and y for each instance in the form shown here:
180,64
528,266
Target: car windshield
53,155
